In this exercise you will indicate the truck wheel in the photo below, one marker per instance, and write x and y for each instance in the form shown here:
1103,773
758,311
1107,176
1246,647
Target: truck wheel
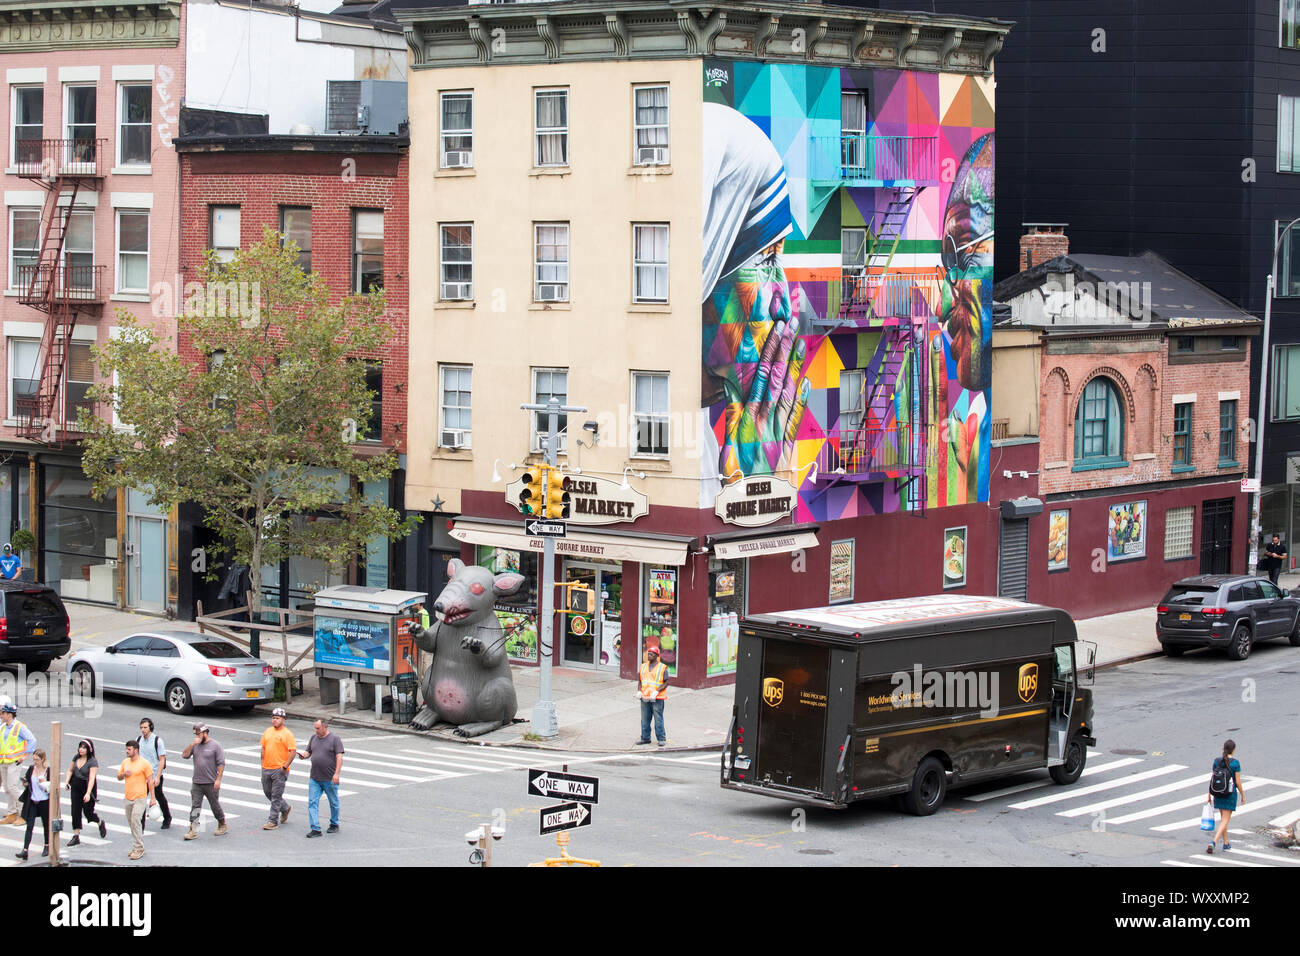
1239,647
1076,755
928,788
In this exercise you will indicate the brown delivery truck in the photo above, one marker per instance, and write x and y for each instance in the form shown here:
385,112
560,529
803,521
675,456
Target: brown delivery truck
905,698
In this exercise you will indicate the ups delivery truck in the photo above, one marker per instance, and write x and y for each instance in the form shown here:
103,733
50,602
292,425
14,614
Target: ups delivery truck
905,698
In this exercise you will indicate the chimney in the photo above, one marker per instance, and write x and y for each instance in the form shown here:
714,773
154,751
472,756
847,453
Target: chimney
1042,241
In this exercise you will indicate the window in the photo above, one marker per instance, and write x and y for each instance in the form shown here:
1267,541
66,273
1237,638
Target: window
853,407
853,129
1288,279
220,400
551,262
29,124
136,118
650,406
24,232
1184,344
457,130
1228,432
375,385
853,252
79,116
1288,14
455,385
551,127
1098,426
223,232
650,125
367,250
1183,434
24,376
1230,343
81,375
650,263
548,383
79,252
457,262
295,226
132,251
1286,382
1288,156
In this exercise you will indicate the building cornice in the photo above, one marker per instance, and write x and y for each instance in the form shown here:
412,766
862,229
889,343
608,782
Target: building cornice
812,33
41,25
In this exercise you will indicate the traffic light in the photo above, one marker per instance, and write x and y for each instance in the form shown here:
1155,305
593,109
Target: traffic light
530,496
557,494
581,600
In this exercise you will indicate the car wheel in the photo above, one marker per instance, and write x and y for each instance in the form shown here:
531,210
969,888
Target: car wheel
1294,636
928,788
1239,648
1076,755
1173,650
178,698
83,679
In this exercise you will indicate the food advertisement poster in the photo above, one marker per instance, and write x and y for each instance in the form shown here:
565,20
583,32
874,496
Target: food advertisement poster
725,584
1058,540
954,558
1126,531
518,621
659,628
841,571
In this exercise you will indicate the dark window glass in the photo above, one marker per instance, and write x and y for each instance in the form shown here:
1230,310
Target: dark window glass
221,651
1183,433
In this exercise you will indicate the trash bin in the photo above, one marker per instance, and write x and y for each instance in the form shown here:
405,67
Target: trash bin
404,689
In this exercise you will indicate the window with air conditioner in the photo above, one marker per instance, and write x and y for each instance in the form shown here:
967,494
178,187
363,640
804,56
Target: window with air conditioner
551,127
551,262
28,112
455,420
132,250
650,414
548,383
650,263
650,125
135,124
457,262
457,130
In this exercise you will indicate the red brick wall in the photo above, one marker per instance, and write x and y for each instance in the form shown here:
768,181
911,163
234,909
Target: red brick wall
260,183
1038,247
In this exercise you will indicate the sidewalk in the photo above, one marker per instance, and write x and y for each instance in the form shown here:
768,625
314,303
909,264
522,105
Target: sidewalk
596,711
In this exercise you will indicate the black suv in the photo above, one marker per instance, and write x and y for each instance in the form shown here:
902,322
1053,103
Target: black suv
1228,611
34,626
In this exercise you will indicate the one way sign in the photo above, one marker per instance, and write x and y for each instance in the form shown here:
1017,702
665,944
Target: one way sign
545,783
566,816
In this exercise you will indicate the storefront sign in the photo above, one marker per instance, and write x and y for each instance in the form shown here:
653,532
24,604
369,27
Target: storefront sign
609,547
754,502
594,501
772,544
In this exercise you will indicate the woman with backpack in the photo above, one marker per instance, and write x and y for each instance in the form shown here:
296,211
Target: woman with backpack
1225,786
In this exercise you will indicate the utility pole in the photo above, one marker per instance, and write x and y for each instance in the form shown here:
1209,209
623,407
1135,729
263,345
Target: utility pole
54,807
544,722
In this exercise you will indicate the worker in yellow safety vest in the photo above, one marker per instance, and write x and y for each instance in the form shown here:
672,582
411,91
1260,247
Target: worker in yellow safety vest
16,743
653,690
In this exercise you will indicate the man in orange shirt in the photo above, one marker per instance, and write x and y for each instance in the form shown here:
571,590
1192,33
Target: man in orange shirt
138,774
278,750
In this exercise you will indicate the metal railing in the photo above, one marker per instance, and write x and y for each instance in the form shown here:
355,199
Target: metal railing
867,157
872,451
892,295
40,282
50,158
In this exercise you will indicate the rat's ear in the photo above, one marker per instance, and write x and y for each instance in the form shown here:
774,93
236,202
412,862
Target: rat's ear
507,582
454,567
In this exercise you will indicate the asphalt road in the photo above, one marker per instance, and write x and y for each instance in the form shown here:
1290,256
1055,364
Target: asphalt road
409,800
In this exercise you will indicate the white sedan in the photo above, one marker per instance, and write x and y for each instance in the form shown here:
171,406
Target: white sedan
179,668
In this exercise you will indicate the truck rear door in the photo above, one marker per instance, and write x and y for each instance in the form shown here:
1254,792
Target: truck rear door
792,715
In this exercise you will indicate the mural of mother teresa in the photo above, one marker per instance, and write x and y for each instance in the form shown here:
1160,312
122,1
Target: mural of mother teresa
754,354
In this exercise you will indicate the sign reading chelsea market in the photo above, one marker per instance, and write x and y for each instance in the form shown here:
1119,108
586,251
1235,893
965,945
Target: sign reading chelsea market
752,502
594,500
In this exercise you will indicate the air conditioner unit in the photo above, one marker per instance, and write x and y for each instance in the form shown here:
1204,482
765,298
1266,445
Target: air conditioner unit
458,159
457,290
552,292
454,438
652,156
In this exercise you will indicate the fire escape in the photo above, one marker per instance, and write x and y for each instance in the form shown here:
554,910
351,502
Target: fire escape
892,440
54,283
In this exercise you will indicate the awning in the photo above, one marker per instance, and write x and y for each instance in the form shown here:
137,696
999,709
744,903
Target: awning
756,546
647,549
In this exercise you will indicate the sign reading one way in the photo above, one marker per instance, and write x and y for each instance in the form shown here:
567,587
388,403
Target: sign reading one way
566,816
545,783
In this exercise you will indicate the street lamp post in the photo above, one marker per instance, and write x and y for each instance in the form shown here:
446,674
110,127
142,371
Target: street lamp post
1252,557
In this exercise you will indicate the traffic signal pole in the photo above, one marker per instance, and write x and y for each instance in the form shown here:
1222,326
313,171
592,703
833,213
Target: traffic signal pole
544,721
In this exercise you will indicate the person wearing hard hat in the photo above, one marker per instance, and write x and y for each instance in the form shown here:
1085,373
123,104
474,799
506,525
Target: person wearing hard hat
16,743
11,565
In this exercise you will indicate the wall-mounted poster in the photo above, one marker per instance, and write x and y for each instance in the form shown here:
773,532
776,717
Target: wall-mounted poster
725,584
954,558
841,571
518,617
345,643
1126,531
1058,540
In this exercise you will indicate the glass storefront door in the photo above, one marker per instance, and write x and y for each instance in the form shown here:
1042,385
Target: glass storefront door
594,639
147,566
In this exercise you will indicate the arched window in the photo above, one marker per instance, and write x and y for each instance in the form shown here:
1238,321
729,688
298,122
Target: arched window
1099,425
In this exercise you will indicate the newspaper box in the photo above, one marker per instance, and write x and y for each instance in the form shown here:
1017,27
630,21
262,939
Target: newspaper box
364,635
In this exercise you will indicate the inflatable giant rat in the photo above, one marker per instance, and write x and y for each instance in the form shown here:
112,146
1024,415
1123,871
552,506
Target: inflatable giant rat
468,683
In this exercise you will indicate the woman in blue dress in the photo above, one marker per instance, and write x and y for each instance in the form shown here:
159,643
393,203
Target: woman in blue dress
1228,803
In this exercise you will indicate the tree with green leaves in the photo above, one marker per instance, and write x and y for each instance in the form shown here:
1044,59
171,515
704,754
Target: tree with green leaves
264,427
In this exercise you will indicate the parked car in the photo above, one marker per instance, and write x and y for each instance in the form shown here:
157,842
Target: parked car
34,625
179,668
1233,612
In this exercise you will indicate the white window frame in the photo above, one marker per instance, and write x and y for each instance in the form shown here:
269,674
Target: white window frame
12,365
224,253
119,272
284,210
653,415
35,250
13,118
122,124
538,423
1288,129
538,264
858,410
68,266
443,264
443,407
656,266
68,160
638,128
853,134
849,238
357,254
444,134
540,131
68,415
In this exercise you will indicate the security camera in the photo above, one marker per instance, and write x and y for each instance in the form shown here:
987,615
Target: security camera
473,836
498,832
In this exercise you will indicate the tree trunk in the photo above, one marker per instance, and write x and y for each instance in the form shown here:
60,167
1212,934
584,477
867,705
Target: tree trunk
255,589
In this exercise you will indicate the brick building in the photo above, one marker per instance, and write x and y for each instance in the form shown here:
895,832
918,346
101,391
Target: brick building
1141,382
342,199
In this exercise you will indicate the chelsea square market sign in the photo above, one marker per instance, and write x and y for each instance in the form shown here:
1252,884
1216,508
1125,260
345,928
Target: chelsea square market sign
753,502
594,500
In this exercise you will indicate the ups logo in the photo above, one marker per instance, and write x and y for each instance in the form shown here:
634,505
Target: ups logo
1028,684
773,691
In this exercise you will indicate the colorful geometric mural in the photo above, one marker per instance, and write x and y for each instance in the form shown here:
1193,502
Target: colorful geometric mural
847,284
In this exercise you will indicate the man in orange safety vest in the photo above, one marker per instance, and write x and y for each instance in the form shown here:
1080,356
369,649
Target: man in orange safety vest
653,690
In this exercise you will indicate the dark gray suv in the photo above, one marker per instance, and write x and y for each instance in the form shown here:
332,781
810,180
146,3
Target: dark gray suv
1232,612
34,627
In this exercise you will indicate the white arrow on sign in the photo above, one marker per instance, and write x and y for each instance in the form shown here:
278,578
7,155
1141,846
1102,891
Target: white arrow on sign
553,787
565,817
